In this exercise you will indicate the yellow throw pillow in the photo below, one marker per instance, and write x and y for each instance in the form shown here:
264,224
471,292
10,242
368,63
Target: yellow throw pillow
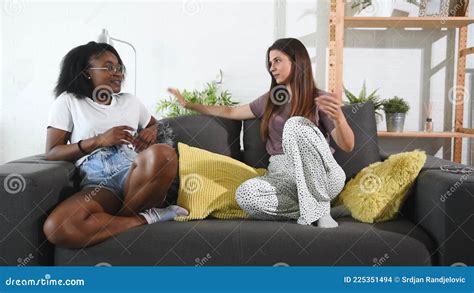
377,192
208,182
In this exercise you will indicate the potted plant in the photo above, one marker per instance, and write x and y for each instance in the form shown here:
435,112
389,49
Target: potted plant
395,111
210,95
363,97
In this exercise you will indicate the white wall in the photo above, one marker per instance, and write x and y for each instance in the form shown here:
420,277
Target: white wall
179,44
185,43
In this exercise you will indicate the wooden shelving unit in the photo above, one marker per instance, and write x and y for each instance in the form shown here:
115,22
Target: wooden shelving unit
408,22
338,22
422,134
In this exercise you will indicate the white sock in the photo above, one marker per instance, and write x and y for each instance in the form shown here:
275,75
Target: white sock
340,211
327,222
155,215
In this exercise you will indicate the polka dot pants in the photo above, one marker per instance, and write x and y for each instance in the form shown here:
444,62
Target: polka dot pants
300,183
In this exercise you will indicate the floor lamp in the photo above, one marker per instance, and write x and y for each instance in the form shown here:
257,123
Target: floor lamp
104,37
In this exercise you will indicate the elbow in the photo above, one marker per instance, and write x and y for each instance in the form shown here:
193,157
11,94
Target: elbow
351,147
48,156
348,148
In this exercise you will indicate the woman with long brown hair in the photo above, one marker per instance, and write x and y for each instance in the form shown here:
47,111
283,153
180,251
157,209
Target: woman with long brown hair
297,120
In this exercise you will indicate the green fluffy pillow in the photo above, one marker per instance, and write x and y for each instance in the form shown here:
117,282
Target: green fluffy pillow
377,192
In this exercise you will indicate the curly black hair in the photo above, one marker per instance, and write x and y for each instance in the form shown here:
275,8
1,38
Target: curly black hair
73,77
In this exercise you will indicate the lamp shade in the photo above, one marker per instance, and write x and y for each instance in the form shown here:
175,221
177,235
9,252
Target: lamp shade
104,37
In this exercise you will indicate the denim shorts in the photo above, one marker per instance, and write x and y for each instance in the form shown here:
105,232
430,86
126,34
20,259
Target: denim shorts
108,168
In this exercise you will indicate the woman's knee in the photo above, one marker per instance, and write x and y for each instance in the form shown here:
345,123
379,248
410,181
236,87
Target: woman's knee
298,127
296,122
158,158
62,231
246,195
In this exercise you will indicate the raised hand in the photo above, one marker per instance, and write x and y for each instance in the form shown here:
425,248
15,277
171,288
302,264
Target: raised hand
330,105
175,92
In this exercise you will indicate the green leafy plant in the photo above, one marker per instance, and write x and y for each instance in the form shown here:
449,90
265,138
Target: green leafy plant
395,105
363,98
210,95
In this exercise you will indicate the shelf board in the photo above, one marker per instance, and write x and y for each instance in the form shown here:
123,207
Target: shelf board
422,134
403,22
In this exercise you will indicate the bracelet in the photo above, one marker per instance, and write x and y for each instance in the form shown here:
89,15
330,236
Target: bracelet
80,148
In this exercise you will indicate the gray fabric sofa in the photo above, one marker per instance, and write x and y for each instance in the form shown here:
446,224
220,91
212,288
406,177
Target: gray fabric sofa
433,228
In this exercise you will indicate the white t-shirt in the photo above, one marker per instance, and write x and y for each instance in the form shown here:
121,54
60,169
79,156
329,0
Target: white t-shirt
84,118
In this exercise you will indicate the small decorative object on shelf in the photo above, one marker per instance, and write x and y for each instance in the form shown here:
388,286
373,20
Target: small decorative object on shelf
443,8
428,125
395,112
435,8
429,118
407,8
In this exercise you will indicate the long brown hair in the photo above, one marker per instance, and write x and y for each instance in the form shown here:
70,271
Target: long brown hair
302,85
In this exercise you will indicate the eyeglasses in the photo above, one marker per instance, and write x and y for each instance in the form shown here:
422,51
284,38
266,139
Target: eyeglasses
111,69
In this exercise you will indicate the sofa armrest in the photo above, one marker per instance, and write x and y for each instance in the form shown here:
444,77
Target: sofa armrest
29,190
383,155
442,204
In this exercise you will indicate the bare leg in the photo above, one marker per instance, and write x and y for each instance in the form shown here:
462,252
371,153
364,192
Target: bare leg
82,220
151,176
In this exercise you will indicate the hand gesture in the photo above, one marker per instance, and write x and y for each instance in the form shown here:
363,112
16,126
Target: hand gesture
145,138
116,135
178,95
330,105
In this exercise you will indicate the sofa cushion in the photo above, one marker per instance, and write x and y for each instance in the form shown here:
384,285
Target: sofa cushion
248,242
213,134
254,154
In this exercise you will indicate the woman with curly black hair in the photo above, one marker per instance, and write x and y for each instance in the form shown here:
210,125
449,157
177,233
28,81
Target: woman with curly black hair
111,135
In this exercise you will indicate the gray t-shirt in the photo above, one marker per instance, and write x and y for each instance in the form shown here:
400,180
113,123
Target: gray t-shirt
277,121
